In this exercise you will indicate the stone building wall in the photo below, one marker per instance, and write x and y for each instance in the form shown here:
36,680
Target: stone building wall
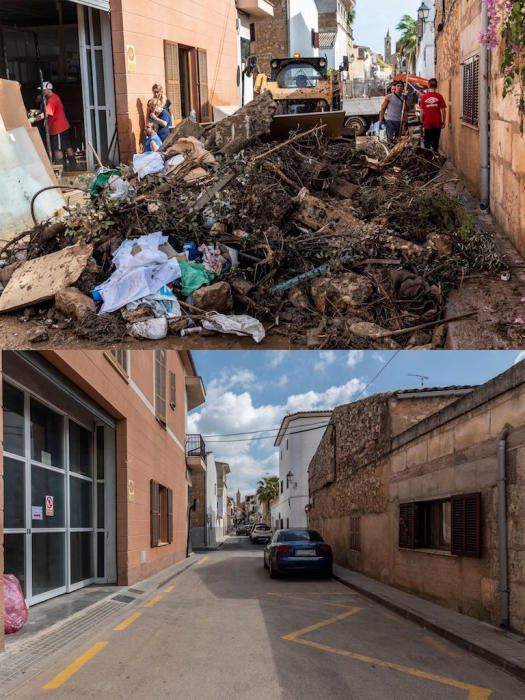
457,39
271,36
452,451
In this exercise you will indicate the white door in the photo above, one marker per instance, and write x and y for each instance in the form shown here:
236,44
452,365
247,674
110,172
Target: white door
98,94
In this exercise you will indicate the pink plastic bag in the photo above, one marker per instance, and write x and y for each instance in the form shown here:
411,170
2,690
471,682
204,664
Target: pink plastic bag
15,608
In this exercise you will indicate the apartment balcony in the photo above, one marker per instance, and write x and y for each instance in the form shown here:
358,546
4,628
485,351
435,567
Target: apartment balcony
195,393
195,453
257,9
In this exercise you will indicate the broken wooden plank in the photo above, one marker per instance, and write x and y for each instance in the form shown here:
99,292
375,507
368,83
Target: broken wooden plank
40,279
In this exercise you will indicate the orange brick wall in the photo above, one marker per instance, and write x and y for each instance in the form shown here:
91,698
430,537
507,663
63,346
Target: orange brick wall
207,24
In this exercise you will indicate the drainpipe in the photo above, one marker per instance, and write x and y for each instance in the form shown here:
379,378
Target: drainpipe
484,114
502,528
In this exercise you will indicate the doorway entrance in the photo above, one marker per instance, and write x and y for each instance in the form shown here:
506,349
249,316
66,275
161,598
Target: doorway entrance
68,42
58,495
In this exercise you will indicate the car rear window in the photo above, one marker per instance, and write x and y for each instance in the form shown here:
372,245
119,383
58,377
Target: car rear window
300,536
262,527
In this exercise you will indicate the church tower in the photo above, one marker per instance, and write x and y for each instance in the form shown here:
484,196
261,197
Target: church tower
388,47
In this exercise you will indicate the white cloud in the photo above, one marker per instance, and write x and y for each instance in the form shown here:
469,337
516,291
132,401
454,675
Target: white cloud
228,413
277,357
378,357
520,357
326,359
281,382
354,357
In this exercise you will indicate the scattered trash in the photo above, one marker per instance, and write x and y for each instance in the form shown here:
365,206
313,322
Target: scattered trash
148,163
236,325
152,329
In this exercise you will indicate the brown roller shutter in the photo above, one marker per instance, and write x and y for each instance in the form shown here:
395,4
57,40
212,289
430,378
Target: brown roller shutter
155,513
202,61
466,525
172,72
407,525
170,515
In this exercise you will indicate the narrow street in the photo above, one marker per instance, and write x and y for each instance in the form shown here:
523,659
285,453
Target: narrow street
224,629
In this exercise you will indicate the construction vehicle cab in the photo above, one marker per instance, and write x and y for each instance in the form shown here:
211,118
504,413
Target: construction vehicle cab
301,85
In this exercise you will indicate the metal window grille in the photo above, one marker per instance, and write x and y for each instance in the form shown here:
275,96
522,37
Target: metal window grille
470,106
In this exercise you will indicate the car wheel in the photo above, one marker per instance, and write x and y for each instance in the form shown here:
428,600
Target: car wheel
358,124
273,572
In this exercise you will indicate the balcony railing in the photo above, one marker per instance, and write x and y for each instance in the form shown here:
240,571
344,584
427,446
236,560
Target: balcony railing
195,446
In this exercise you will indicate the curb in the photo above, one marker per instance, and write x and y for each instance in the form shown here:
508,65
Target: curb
482,652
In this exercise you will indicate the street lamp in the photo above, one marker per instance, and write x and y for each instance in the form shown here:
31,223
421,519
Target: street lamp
422,17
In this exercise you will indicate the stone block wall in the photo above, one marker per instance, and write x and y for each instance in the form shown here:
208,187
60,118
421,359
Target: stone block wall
271,36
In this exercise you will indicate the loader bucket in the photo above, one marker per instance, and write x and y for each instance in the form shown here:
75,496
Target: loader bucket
285,124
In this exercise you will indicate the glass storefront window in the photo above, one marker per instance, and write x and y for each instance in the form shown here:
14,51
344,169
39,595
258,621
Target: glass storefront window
81,556
45,482
14,556
48,561
80,502
13,400
47,432
14,489
80,450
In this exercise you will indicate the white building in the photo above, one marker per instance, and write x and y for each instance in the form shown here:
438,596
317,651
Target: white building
426,55
303,23
223,469
248,13
335,30
297,440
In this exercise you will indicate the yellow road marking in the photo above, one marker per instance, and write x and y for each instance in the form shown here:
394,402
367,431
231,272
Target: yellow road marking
441,646
127,622
396,618
169,589
474,692
201,562
309,600
77,664
154,601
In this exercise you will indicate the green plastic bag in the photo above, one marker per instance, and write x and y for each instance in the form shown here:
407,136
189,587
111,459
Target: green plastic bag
194,276
101,180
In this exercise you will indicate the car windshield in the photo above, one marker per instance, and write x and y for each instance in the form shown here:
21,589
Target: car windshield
300,536
299,75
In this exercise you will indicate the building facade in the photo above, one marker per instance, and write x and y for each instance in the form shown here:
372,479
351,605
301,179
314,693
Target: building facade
297,440
103,56
95,475
426,47
422,502
458,52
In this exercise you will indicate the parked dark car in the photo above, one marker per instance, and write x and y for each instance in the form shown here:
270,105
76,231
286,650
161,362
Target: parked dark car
260,533
243,529
298,550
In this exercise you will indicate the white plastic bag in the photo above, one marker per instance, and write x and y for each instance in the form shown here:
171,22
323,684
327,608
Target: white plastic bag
138,275
148,163
163,304
235,325
152,329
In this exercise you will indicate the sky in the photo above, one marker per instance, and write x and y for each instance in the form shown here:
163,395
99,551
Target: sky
253,391
374,18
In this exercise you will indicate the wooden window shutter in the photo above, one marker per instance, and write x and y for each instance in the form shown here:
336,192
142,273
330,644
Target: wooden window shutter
475,90
202,62
407,525
170,515
466,525
172,73
155,513
173,390
160,385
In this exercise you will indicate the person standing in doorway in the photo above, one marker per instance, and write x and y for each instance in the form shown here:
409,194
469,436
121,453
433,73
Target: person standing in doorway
434,111
59,129
393,113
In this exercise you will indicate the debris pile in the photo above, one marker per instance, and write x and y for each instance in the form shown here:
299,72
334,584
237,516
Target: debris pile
226,232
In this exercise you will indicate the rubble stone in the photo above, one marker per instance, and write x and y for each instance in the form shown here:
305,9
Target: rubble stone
441,243
216,297
347,291
38,335
73,303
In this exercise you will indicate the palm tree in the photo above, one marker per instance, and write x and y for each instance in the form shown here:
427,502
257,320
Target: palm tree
267,490
407,44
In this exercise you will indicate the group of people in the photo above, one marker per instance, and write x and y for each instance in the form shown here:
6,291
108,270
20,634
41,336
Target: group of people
394,113
158,120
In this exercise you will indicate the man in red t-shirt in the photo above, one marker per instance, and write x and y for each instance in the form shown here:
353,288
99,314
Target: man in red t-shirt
59,128
434,111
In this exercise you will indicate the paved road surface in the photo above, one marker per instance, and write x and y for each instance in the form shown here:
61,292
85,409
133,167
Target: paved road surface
225,630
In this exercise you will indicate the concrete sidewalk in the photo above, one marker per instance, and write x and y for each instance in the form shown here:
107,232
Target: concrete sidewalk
502,648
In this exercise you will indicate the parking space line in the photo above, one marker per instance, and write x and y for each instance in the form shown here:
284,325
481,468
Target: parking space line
77,664
474,692
441,646
127,622
154,601
169,589
309,600
201,562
